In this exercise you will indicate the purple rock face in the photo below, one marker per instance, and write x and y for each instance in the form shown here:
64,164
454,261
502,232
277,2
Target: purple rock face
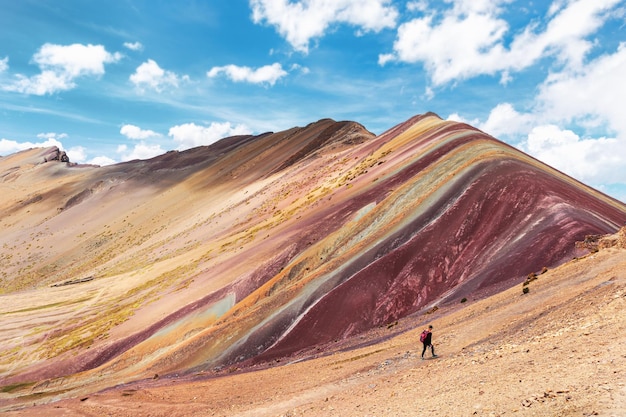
499,219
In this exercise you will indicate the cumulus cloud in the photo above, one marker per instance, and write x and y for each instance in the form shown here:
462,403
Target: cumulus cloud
135,132
594,161
505,121
4,64
75,59
301,21
190,135
8,146
469,39
455,117
560,127
133,46
139,151
417,6
77,154
151,75
458,46
590,95
60,66
51,136
102,160
267,74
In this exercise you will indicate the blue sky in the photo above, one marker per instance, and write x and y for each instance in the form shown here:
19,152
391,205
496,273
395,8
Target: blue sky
110,81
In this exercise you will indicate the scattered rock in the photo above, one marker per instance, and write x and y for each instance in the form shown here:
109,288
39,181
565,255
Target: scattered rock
596,242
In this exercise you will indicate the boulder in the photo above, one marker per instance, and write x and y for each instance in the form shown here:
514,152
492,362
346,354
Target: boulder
55,154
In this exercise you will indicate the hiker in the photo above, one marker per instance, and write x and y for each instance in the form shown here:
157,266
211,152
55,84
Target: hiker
426,339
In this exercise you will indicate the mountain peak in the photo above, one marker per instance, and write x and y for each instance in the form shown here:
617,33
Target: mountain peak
258,247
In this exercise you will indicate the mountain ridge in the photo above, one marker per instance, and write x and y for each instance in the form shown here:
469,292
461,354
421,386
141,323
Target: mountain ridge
258,247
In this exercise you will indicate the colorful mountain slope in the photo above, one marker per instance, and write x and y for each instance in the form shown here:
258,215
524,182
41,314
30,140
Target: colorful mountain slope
261,246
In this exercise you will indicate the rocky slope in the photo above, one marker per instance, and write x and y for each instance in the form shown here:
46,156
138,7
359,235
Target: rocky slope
558,350
261,248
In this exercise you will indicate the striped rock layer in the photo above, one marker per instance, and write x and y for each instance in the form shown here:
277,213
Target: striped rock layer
259,247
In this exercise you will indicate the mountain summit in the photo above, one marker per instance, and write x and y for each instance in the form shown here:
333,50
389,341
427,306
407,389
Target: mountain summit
259,247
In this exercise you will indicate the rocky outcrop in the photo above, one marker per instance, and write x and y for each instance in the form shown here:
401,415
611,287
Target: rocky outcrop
55,154
617,240
593,243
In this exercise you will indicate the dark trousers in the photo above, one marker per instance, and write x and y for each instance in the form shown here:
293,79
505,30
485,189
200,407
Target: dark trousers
432,349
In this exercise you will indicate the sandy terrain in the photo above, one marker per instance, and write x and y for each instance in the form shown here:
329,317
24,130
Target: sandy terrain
559,350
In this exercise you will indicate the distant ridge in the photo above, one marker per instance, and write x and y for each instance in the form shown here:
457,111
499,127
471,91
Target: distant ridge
258,247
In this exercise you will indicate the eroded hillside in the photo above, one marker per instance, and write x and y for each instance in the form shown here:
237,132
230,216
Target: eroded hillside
260,247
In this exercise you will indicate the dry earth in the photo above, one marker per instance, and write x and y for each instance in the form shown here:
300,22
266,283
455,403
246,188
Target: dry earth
559,350
257,247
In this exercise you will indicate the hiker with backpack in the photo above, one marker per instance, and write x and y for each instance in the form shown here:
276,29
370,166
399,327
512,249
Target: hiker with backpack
426,339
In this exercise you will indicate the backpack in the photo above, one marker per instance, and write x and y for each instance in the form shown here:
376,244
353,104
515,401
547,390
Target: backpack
424,335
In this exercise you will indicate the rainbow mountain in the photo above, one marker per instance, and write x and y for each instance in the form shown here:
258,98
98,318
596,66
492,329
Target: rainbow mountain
257,248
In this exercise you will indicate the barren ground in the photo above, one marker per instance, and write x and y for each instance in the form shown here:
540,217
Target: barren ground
559,350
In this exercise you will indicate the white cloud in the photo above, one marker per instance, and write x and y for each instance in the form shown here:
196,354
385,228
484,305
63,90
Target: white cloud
52,135
555,7
190,135
8,146
139,151
570,103
547,137
133,46
429,94
101,160
505,121
60,66
149,74
4,64
458,47
266,74
301,21
590,97
76,59
384,58
134,132
77,154
47,82
592,161
592,94
505,78
455,117
417,6
468,39
564,36
298,67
